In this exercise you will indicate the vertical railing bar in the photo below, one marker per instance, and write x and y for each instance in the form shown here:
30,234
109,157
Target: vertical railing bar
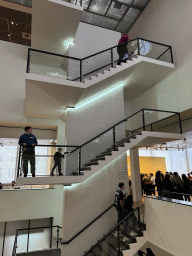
81,71
151,127
171,54
51,233
180,123
112,57
139,221
79,161
19,161
143,117
28,60
138,46
57,237
114,139
28,237
5,228
118,242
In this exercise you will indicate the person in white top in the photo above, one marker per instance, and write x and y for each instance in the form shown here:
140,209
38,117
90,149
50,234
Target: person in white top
152,184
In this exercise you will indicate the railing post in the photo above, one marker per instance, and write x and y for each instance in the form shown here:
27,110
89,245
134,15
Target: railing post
118,236
81,3
139,222
180,125
28,61
138,47
151,127
171,54
19,161
51,233
81,66
114,141
143,117
112,57
79,167
57,237
28,237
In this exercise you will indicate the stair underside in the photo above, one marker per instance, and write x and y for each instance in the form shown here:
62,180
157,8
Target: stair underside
146,139
45,97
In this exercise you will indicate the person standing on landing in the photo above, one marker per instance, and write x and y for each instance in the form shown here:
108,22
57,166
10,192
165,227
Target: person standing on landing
28,154
122,49
57,158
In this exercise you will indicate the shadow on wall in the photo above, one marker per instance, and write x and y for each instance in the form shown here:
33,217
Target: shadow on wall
157,251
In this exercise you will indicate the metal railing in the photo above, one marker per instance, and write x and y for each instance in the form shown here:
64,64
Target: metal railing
76,69
78,157
28,234
117,229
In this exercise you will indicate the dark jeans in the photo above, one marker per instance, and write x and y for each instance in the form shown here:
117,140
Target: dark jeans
119,214
187,198
121,50
59,167
28,158
153,190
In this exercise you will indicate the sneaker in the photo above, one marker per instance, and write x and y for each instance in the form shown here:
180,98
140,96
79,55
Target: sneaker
60,174
52,174
25,175
133,233
125,239
33,175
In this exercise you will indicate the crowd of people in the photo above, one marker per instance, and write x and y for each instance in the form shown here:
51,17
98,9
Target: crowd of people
169,185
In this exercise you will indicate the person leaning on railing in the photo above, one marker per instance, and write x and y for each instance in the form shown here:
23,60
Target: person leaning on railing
28,154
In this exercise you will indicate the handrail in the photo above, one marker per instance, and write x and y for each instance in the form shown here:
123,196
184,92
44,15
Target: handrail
67,242
124,120
28,229
114,228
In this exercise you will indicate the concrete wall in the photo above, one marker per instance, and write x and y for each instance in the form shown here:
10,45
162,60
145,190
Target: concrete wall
169,226
85,201
167,22
90,119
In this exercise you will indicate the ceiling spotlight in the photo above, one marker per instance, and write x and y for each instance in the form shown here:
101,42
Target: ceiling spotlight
9,34
12,22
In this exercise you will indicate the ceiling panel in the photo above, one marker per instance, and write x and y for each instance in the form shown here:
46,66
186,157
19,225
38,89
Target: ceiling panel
132,15
140,3
98,20
4,36
3,24
116,11
99,6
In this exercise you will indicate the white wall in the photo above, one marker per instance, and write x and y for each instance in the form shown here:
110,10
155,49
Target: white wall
168,226
31,204
88,40
167,22
92,118
13,64
85,201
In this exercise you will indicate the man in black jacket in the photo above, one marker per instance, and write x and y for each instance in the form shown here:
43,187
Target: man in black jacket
119,201
57,158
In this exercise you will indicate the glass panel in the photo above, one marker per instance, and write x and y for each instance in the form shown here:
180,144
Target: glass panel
47,64
22,241
134,124
39,239
72,161
166,56
161,121
153,50
95,148
101,61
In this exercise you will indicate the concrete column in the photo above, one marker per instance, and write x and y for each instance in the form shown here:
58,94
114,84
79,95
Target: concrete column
135,175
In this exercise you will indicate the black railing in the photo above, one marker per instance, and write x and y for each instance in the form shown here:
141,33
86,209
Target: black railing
76,235
75,69
15,246
119,247
78,157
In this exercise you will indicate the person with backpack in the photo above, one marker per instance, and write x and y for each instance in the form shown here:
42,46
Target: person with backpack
119,201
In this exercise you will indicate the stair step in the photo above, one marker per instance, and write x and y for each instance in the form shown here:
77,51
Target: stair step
91,163
76,173
86,168
104,154
114,240
97,159
109,247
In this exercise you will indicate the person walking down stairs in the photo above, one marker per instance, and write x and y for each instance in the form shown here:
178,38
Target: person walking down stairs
122,49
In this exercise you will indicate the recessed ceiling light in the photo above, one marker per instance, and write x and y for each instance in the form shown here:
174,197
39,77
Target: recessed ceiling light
12,22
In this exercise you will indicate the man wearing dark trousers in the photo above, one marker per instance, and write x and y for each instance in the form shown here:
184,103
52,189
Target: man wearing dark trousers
28,153
119,201
57,158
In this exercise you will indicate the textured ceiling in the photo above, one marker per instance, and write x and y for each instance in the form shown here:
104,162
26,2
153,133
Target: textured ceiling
117,15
